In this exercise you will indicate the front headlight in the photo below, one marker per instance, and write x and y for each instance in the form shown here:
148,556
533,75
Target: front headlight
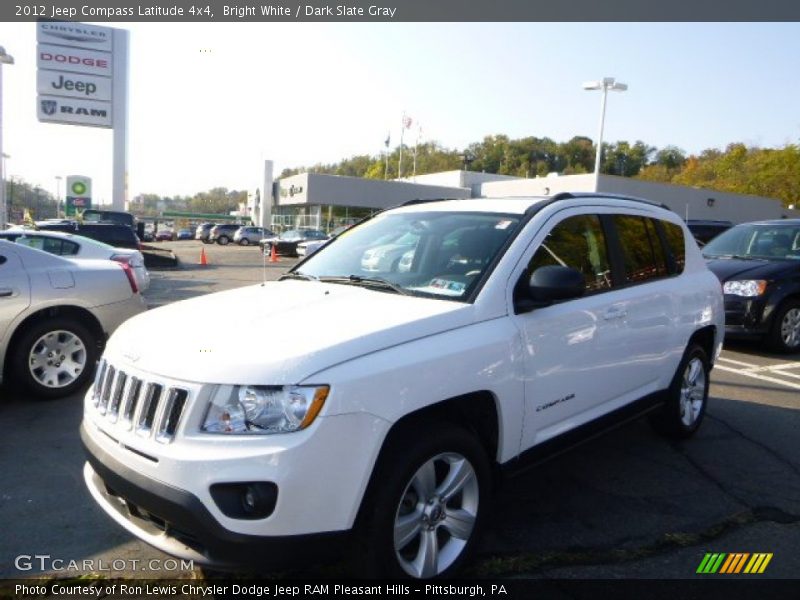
745,287
261,409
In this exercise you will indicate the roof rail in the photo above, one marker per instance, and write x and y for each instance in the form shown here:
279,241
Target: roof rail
571,195
424,201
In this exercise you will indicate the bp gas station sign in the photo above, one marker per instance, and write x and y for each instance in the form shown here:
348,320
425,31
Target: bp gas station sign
79,194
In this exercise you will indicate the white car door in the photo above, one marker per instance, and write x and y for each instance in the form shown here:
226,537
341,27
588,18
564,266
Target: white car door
15,295
572,348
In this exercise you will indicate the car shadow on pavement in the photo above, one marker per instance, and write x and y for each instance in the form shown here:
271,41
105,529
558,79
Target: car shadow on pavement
627,495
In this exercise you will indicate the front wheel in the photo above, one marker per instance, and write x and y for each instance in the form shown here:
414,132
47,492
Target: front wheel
223,240
244,242
784,336
687,396
427,506
55,358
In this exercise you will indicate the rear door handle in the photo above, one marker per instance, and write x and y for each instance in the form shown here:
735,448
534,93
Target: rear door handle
615,312
7,292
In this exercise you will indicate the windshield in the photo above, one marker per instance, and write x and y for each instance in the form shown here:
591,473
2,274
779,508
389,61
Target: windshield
771,242
424,254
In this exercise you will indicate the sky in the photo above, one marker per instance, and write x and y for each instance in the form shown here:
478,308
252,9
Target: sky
209,102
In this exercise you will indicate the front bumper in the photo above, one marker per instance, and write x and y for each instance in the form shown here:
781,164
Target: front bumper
178,523
746,317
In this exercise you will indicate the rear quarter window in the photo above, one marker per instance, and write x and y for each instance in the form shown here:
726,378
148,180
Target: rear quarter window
676,245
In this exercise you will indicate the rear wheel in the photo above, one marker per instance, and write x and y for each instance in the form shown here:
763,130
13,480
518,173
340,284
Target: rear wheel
785,333
687,398
55,358
425,510
223,240
244,242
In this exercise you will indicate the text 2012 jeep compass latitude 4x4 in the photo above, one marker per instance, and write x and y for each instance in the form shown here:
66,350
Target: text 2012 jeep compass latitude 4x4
386,401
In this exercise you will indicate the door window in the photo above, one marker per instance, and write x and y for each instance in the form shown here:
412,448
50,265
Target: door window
642,253
577,242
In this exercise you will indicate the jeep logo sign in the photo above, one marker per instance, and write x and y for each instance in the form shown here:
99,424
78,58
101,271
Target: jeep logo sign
73,85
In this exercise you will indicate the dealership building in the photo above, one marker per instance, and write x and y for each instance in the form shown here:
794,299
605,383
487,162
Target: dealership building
326,201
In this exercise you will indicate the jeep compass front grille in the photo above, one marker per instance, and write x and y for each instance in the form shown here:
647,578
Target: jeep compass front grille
152,410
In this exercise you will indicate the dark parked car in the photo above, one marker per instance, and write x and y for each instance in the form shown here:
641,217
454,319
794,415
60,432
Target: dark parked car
286,243
759,267
164,235
706,230
203,231
223,234
119,236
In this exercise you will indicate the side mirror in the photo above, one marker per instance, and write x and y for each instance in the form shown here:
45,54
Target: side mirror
551,284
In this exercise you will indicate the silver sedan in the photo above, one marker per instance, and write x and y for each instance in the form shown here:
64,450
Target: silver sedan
55,315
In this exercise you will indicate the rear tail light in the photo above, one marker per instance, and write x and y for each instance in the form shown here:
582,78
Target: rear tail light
129,274
122,258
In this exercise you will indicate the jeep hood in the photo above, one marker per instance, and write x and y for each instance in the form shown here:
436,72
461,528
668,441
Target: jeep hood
276,333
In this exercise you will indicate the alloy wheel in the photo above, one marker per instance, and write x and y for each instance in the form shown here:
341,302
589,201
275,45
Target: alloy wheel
790,328
436,515
693,391
57,358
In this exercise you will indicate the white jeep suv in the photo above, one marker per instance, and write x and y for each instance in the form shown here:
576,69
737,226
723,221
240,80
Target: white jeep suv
386,403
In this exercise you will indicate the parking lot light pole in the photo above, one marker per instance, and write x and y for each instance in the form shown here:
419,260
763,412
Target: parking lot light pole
605,84
58,196
5,59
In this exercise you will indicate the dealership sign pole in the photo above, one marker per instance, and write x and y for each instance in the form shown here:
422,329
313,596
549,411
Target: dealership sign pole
82,79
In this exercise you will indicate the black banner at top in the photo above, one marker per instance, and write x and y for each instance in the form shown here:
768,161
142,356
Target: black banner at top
400,10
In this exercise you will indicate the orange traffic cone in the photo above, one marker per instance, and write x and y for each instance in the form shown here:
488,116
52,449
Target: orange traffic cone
273,255
203,259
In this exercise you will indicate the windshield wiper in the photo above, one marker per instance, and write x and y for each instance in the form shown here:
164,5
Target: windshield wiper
736,256
298,275
368,282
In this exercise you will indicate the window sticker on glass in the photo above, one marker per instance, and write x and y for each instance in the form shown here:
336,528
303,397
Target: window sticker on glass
503,224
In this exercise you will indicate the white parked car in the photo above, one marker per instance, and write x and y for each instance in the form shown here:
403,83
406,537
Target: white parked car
70,245
55,315
386,403
308,248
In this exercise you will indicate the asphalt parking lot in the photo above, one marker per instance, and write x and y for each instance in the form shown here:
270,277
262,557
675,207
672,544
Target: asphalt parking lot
627,505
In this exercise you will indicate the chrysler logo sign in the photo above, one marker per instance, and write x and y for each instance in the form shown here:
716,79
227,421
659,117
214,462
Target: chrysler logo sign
76,35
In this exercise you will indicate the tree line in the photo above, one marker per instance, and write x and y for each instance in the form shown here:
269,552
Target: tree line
771,172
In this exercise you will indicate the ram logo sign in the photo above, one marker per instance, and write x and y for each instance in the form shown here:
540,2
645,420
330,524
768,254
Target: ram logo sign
73,111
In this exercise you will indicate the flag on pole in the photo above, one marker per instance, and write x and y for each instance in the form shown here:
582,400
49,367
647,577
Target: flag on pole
27,218
388,139
407,121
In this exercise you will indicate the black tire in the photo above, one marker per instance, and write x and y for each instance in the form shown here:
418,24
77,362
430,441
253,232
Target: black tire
687,396
207,241
784,337
439,449
223,240
82,348
244,242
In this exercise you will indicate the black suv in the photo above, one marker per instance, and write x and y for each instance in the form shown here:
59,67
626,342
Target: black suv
706,230
119,236
759,267
223,233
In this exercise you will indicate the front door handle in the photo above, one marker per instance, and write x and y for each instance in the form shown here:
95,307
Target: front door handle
6,292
